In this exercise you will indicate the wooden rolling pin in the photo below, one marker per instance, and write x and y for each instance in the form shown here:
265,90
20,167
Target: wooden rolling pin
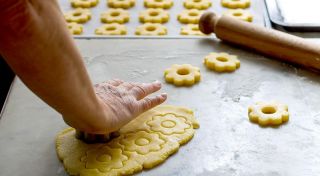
274,43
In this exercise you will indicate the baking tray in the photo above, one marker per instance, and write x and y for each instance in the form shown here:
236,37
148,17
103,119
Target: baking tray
173,26
281,16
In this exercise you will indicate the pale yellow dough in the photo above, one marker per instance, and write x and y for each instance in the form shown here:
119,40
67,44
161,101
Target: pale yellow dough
182,75
191,29
84,3
190,16
115,16
221,62
75,28
240,14
197,4
234,4
271,113
125,4
151,29
145,142
165,4
152,15
111,29
78,15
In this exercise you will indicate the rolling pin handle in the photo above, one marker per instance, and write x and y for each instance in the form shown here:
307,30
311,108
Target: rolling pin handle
207,22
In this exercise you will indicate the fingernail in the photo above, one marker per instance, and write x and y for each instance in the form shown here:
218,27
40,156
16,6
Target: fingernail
157,82
164,95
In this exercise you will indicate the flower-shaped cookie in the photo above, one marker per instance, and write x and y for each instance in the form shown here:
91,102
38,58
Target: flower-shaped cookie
151,29
84,3
182,75
142,142
240,14
111,29
190,16
222,62
78,15
272,113
197,4
165,4
125,4
115,16
154,16
234,4
75,28
191,29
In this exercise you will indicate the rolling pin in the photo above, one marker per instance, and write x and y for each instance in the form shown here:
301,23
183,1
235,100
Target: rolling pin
270,42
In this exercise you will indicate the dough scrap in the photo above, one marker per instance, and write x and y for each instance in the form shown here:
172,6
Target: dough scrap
191,29
240,14
143,143
197,4
78,15
151,29
190,16
271,113
165,4
115,16
125,4
75,28
111,29
222,62
182,75
234,4
152,15
84,3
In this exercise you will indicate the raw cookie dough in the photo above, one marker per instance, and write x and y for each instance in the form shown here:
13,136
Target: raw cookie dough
221,62
75,28
191,29
84,3
126,4
190,16
151,29
115,16
111,29
78,15
197,4
240,14
272,113
145,142
182,75
165,4
234,4
154,16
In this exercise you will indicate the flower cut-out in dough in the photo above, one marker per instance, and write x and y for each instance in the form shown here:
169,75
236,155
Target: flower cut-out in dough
221,62
164,4
235,4
182,75
190,16
191,29
151,29
240,14
154,16
75,28
112,29
115,16
125,4
78,15
197,4
272,113
84,3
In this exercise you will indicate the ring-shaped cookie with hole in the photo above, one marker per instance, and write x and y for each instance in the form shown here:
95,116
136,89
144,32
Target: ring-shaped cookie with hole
197,4
191,29
115,16
151,29
271,113
111,29
125,4
235,4
182,75
239,14
75,28
190,16
165,4
84,3
78,15
154,16
221,62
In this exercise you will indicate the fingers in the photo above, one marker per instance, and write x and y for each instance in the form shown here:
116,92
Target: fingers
148,103
142,90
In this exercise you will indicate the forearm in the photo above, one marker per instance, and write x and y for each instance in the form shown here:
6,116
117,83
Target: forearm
36,44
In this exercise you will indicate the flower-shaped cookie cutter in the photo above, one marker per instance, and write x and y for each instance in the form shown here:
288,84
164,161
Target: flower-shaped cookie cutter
240,14
197,4
153,15
272,113
151,29
78,15
191,29
182,75
115,16
221,62
190,16
165,4
75,28
84,3
111,29
234,4
125,4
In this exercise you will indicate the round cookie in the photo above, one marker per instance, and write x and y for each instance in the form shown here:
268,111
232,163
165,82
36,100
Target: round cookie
165,4
182,75
78,15
197,4
154,16
234,4
222,62
151,29
191,29
240,14
84,3
75,28
111,29
115,16
190,16
125,4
